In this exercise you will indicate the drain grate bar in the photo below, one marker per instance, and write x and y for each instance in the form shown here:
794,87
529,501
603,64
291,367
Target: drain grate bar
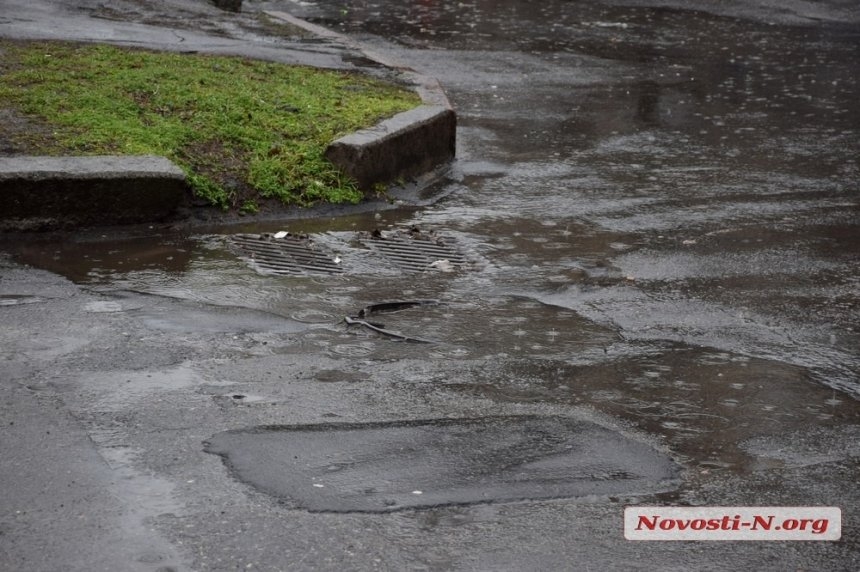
288,255
405,249
301,255
289,267
415,254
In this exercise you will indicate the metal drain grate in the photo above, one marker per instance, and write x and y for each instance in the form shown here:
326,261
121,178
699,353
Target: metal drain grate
288,255
415,253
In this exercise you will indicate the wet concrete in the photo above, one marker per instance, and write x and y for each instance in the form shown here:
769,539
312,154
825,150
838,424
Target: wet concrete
659,205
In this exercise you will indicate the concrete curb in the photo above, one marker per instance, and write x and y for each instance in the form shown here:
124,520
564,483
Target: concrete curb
409,144
76,191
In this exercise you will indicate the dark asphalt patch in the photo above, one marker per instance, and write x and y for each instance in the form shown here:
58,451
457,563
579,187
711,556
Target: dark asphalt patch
381,467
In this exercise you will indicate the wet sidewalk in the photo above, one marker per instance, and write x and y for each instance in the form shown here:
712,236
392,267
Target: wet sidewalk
179,26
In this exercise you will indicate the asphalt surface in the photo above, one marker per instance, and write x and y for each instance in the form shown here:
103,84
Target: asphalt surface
651,233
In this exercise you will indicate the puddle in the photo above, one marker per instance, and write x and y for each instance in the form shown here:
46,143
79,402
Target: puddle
677,316
505,325
91,258
704,403
383,467
807,447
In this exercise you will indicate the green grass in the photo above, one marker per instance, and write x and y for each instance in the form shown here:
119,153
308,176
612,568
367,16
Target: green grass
244,131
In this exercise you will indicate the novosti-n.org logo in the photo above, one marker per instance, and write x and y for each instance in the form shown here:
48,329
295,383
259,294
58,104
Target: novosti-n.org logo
732,523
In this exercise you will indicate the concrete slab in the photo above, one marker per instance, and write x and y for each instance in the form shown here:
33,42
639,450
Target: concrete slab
75,191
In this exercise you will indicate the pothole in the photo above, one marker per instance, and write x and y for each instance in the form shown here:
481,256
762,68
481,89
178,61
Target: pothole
382,467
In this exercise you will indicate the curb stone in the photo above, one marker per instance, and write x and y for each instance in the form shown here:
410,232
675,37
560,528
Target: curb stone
407,145
76,191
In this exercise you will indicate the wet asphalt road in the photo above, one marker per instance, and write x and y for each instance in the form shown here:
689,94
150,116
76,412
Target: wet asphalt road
657,210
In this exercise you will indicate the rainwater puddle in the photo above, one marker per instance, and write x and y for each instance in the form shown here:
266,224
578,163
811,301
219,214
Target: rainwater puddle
88,259
485,325
676,315
703,402
382,467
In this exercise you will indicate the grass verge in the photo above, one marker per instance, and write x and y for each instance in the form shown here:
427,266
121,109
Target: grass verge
244,131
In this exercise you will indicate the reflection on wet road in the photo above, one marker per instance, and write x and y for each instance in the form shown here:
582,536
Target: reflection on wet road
659,207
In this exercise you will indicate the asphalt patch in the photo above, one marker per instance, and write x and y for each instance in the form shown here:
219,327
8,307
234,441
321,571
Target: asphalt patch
383,467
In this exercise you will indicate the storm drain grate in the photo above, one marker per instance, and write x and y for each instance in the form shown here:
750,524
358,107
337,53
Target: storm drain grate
290,254
413,253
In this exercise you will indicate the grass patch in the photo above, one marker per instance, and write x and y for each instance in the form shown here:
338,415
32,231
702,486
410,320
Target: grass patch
244,131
